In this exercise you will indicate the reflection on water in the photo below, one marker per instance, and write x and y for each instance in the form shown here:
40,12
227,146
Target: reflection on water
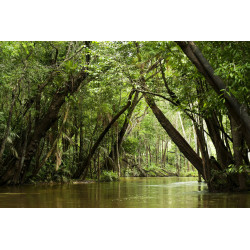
129,192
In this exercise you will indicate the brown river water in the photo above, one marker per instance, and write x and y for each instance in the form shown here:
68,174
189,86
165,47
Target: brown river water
152,192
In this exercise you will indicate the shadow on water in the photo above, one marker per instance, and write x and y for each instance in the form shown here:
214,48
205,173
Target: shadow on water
175,192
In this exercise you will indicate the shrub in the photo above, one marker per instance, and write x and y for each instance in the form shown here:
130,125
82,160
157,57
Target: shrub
108,176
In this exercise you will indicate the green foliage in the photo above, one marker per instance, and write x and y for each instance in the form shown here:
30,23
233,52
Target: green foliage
131,172
109,176
153,166
232,169
39,72
49,174
130,145
188,174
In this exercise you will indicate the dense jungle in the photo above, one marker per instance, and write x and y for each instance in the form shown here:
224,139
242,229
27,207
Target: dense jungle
87,111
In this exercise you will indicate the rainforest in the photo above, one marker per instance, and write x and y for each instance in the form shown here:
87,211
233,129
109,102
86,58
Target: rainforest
107,115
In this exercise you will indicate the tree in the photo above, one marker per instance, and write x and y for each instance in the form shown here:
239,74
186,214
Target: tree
180,109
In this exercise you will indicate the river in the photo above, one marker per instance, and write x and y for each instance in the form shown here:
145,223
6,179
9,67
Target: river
152,192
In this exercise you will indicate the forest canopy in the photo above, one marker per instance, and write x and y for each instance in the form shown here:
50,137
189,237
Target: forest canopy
102,110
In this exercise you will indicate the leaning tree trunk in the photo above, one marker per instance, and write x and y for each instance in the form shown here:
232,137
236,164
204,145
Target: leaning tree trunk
176,137
82,171
44,124
53,146
117,145
237,111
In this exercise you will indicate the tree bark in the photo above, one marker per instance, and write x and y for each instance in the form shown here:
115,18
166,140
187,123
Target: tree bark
224,157
45,124
121,136
176,137
238,111
54,144
83,169
238,146
7,130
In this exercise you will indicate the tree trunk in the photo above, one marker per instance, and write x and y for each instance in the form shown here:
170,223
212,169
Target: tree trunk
83,169
223,155
121,136
164,154
117,152
238,146
237,111
54,144
176,137
98,177
7,130
44,124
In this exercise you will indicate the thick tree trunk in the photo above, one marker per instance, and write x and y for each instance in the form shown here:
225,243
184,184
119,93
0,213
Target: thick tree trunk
54,143
237,111
176,137
238,146
224,157
44,124
204,153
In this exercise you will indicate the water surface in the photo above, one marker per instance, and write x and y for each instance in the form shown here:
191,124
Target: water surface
152,192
